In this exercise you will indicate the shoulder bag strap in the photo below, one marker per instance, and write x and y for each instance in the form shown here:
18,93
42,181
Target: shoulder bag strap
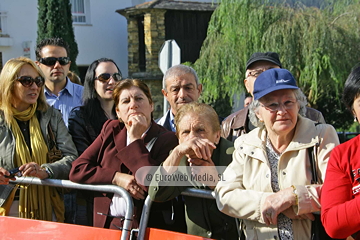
51,137
314,179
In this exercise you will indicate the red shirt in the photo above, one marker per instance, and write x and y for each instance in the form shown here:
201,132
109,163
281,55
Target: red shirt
340,201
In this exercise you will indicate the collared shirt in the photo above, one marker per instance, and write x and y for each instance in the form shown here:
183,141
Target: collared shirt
172,123
128,138
69,97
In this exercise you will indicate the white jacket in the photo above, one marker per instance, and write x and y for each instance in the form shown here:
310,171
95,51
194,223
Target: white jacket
244,196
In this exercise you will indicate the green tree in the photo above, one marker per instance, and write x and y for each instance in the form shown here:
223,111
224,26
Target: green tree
316,45
55,20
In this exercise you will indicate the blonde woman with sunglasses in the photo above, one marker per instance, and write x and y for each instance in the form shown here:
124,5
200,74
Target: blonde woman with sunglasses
25,118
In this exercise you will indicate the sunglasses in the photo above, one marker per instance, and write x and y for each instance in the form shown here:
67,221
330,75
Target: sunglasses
27,81
51,61
105,77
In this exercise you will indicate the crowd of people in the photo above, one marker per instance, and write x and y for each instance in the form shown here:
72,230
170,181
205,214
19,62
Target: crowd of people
261,159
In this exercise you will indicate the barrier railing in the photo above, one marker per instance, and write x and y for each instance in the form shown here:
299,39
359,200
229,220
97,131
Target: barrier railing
100,188
193,192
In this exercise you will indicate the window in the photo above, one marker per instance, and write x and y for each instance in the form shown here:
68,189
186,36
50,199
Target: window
3,30
142,56
80,10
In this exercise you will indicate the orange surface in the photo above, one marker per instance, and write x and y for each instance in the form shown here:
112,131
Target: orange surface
154,234
19,228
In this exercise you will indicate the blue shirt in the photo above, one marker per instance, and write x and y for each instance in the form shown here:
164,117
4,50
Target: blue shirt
69,97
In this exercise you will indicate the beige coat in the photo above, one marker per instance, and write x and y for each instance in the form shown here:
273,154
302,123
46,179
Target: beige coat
248,177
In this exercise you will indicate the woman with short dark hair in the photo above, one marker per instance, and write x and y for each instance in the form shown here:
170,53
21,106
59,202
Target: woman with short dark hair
341,190
121,149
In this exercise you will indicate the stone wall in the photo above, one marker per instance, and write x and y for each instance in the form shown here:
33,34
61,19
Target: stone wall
154,26
133,46
154,37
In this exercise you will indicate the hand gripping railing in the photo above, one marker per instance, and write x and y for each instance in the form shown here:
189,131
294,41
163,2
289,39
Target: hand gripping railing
193,192
100,188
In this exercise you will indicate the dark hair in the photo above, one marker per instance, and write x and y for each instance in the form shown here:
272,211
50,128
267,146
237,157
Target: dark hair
127,84
52,42
89,81
91,104
352,88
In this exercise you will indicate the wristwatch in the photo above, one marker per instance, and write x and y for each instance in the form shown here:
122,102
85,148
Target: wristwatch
295,192
48,172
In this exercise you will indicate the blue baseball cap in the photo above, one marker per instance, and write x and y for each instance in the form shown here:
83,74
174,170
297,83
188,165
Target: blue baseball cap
272,80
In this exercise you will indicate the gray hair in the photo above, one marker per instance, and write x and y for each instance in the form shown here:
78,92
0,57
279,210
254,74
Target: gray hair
179,70
254,108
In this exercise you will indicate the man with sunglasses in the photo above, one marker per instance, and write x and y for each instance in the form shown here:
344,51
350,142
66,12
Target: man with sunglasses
52,56
238,123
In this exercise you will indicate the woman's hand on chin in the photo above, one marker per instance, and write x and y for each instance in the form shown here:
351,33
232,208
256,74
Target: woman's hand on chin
136,126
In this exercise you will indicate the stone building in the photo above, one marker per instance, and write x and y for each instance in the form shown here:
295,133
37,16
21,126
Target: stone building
150,24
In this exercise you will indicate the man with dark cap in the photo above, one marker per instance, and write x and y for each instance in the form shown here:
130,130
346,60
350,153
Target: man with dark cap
238,123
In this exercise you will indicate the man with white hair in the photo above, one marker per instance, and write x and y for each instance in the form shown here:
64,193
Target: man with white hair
180,86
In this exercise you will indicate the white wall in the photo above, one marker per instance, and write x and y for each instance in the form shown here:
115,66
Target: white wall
21,25
105,36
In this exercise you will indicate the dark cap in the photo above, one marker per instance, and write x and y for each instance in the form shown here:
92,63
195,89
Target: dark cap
268,56
272,80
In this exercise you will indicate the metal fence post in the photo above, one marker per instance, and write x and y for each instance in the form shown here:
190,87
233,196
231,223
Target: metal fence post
100,188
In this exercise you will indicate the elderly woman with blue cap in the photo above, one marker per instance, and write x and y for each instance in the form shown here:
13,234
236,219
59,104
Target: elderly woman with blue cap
268,183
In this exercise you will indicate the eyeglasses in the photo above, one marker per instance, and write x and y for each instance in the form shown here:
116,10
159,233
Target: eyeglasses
51,61
105,77
274,107
27,81
257,72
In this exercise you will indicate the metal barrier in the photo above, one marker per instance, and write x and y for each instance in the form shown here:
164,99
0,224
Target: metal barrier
193,192
100,188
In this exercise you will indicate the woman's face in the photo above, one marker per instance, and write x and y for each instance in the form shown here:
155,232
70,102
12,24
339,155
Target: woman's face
356,108
105,89
25,96
196,125
279,111
133,101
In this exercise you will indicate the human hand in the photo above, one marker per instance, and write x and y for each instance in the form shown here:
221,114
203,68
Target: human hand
32,169
5,180
136,126
289,212
277,203
128,182
200,148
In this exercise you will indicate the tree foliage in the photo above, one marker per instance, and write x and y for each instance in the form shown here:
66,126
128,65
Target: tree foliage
55,20
318,45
